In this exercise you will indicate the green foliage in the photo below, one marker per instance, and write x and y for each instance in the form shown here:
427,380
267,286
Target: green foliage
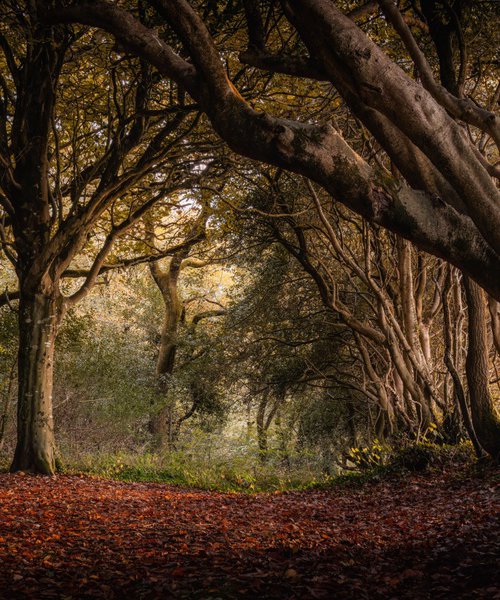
205,460
369,456
8,337
242,472
112,365
427,455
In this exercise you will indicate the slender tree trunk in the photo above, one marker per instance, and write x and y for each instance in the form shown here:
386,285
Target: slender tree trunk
484,419
161,423
39,318
261,428
262,441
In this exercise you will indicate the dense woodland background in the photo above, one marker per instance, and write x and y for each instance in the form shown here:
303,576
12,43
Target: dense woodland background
220,318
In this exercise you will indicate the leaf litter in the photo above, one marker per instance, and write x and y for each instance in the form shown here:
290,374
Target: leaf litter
76,537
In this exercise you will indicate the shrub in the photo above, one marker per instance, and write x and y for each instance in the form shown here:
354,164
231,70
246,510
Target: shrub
421,456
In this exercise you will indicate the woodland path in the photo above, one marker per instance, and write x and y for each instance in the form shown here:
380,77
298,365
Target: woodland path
422,536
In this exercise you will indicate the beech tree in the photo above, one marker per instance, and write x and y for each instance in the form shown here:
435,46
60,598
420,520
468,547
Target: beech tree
165,423
84,156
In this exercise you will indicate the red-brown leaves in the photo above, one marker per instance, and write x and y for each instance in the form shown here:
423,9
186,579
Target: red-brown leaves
77,537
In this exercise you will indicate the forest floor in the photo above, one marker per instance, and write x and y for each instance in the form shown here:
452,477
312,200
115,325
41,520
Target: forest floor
417,536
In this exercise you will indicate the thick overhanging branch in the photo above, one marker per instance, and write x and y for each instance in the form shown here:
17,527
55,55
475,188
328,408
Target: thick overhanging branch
349,55
191,30
133,35
319,152
461,108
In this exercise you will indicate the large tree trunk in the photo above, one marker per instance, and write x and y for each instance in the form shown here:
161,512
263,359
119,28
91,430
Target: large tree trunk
484,419
459,393
39,317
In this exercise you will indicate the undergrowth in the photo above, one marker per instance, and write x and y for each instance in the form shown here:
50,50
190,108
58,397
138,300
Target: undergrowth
245,476
177,469
245,473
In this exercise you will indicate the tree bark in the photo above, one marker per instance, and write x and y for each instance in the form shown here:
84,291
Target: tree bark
494,308
484,418
261,428
459,392
39,318
161,423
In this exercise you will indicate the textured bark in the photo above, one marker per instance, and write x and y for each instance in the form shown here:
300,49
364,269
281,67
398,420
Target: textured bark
458,388
39,317
40,305
357,66
167,282
410,324
407,293
484,417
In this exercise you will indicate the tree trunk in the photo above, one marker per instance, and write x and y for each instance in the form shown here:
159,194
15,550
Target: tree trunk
262,440
484,419
39,317
261,428
459,394
160,424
